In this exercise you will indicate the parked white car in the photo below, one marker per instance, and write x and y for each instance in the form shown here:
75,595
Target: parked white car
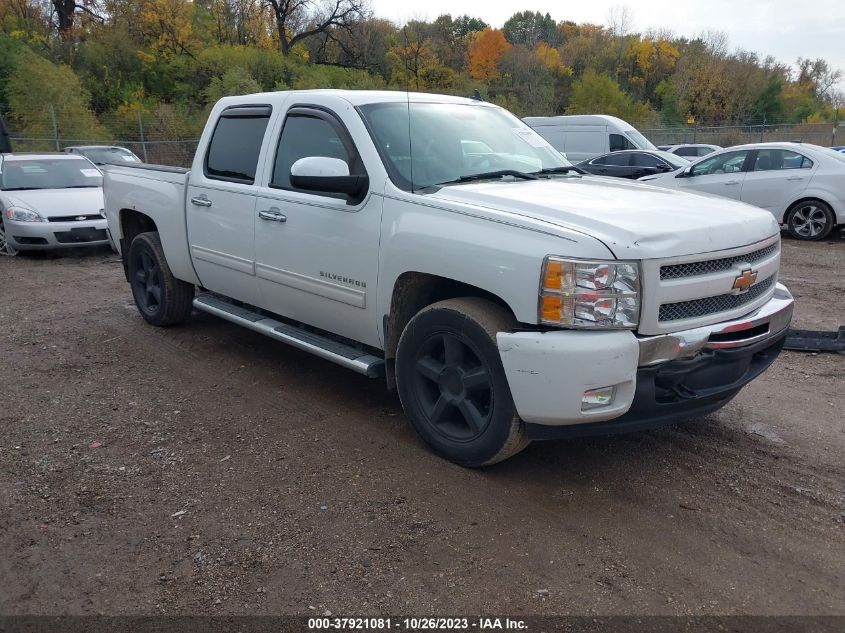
50,201
802,185
690,150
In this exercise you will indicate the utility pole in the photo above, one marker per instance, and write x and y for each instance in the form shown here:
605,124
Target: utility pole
55,127
141,130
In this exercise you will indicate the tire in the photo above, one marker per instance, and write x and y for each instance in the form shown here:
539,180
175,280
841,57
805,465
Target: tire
5,247
452,383
810,220
161,298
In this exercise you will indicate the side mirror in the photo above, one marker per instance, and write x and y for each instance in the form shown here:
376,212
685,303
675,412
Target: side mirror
686,173
327,175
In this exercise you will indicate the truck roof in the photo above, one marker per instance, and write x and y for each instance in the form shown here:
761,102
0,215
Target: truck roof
360,97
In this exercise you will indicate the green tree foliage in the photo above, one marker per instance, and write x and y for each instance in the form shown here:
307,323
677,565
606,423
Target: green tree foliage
770,105
599,93
235,81
36,86
529,28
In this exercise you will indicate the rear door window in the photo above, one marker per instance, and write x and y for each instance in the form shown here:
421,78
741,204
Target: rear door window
641,159
236,143
777,159
614,160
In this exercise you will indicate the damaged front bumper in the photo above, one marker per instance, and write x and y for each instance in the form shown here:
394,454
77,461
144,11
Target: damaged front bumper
650,380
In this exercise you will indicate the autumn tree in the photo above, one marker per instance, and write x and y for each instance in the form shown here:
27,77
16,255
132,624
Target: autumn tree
486,50
66,12
649,61
415,64
298,20
451,38
238,22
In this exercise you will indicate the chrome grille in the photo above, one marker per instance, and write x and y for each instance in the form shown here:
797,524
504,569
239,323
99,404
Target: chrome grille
76,218
711,305
695,269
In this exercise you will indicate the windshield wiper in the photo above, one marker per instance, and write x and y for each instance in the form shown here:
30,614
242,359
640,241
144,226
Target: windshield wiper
22,189
489,175
564,169
82,187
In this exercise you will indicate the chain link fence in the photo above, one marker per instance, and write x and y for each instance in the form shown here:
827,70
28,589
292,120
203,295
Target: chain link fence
165,135
168,135
178,153
824,134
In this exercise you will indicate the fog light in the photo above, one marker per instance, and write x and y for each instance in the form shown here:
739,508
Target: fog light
597,398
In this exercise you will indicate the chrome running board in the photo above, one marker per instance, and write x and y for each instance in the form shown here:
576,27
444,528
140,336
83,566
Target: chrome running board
326,348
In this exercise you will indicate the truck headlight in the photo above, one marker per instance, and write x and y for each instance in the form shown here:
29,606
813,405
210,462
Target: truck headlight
589,294
22,215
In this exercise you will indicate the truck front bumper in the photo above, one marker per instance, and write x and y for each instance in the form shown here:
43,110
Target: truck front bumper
648,380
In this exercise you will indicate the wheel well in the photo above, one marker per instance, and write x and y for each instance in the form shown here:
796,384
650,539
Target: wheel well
132,223
414,291
836,220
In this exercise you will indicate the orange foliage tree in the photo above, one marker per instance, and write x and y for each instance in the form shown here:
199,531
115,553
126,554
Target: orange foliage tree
486,50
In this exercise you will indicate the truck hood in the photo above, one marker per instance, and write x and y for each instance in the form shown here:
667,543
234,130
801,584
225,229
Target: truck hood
50,203
634,220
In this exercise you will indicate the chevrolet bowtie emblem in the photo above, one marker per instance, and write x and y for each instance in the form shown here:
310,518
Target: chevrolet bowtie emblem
745,280
79,218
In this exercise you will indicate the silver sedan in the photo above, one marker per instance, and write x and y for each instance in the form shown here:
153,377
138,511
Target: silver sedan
50,201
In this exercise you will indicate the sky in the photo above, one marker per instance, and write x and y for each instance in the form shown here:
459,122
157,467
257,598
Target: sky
784,29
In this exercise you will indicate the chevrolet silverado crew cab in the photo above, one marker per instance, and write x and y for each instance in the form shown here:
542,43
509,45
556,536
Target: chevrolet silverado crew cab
441,244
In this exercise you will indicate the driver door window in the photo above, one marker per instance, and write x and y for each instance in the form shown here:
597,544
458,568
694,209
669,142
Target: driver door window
727,163
721,175
304,136
619,142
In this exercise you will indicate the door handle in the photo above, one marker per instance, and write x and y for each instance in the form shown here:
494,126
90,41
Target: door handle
201,201
796,178
272,214
732,182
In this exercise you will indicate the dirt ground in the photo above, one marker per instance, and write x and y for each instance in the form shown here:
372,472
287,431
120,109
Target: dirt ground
207,469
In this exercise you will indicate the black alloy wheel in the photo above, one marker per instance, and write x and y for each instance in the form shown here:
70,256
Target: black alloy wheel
454,386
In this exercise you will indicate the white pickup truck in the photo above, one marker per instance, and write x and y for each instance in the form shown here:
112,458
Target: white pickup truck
440,243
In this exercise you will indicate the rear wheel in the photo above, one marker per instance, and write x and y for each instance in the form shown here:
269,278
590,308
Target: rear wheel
810,220
5,247
161,298
452,384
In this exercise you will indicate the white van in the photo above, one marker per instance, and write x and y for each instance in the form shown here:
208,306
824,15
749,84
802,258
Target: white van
584,136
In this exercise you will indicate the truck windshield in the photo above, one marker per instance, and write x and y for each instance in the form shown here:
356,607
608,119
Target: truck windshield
451,141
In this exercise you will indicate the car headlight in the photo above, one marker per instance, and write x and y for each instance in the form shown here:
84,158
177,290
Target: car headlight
589,294
22,215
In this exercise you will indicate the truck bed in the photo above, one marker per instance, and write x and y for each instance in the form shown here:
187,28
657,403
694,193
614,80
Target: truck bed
159,191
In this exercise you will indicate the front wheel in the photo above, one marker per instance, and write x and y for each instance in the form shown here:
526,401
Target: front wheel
452,384
5,247
810,220
161,298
